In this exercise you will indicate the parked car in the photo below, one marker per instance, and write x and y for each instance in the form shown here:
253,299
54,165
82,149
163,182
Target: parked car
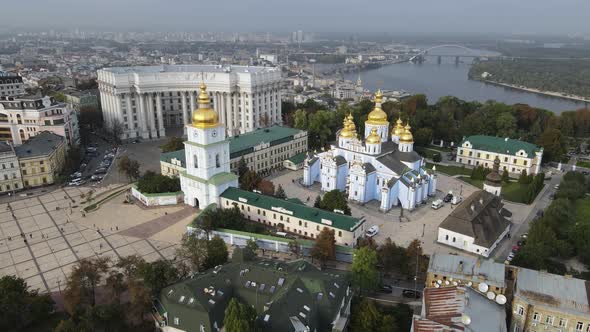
437,204
101,170
410,293
372,231
448,198
456,200
510,257
556,186
75,175
96,178
524,236
385,289
515,248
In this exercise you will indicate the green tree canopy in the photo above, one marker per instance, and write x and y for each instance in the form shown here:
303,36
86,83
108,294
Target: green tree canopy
172,144
239,317
364,270
21,307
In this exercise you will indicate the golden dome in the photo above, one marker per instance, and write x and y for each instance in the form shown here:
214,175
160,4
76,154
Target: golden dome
377,115
345,132
205,116
398,129
407,135
373,137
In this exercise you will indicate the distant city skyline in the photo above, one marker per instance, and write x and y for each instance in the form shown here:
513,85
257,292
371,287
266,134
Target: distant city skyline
546,17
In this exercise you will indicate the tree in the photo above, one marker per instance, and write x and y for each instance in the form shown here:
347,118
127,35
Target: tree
193,249
266,187
172,144
324,248
152,182
239,317
157,274
128,167
366,316
280,193
553,144
242,167
250,180
437,158
81,284
300,120
252,246
415,258
523,178
115,129
505,176
216,252
21,307
423,136
317,203
364,272
335,200
391,256
295,248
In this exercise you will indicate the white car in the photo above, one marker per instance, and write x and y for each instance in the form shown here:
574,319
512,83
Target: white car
556,186
510,257
437,204
372,231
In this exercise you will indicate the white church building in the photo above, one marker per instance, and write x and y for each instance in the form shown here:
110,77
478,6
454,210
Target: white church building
380,166
207,172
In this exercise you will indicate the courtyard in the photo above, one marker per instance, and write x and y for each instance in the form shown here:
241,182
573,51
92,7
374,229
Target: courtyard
421,223
43,236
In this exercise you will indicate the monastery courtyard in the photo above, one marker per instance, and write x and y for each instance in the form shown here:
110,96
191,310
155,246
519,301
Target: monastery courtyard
58,234
421,223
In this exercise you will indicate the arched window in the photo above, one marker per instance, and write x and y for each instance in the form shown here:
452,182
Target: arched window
447,237
195,161
217,163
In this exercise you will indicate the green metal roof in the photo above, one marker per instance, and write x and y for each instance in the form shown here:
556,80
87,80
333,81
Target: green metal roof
179,154
298,158
245,143
304,212
501,145
276,289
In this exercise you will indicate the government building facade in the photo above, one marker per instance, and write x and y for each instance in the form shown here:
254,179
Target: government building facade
381,166
145,100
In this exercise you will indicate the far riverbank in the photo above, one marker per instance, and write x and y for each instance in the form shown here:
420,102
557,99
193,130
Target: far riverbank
537,91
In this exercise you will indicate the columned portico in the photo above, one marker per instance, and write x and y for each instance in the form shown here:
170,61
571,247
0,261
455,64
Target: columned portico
160,116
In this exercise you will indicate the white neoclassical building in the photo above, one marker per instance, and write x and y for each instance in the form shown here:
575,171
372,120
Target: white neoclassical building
376,167
145,100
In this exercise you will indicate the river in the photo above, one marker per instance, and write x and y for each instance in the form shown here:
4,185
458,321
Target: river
450,79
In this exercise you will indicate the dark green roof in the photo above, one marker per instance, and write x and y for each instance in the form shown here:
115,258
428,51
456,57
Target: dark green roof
298,158
275,289
245,143
304,212
179,154
43,144
501,145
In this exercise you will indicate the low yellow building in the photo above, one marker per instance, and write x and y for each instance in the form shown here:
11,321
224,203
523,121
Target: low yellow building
515,156
549,302
41,159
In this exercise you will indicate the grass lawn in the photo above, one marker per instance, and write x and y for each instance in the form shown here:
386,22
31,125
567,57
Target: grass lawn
436,147
583,163
450,170
511,191
583,210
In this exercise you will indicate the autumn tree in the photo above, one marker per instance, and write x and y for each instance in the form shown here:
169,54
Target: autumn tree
266,187
324,248
172,144
249,181
82,283
280,192
157,275
194,250
128,167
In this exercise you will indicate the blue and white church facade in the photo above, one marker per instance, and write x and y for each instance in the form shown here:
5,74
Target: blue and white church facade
382,166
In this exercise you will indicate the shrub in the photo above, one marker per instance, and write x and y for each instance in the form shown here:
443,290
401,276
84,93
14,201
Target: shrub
437,158
152,183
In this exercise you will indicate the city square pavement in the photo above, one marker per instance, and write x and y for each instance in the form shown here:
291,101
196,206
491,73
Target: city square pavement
421,223
57,234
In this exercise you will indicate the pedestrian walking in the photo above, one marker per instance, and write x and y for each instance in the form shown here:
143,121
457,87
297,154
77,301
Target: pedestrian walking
31,235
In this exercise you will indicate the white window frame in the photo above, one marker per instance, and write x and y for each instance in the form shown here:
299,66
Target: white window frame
176,321
562,322
519,310
549,320
537,317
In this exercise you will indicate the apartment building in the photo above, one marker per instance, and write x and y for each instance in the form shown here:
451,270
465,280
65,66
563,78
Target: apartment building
10,176
41,159
11,85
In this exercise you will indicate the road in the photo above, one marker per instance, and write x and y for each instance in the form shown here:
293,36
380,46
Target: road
541,203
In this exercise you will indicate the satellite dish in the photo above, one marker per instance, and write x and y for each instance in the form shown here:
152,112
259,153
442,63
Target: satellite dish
439,281
451,279
447,283
466,320
469,284
501,299
436,285
455,283
491,295
483,287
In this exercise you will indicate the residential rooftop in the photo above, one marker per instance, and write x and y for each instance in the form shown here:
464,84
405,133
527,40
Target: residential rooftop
468,268
501,145
554,291
42,144
293,208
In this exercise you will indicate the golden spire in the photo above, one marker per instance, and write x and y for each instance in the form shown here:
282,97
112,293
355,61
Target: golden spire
205,116
377,115
346,132
407,136
373,137
398,129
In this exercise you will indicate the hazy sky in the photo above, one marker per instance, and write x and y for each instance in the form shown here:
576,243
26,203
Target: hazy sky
442,16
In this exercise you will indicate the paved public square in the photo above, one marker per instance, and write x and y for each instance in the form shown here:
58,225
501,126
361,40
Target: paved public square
57,234
421,223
